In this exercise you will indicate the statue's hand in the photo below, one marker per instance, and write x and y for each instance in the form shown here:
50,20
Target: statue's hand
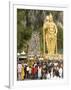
55,34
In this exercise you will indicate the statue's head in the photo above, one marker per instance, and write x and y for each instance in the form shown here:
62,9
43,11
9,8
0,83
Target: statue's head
47,19
50,17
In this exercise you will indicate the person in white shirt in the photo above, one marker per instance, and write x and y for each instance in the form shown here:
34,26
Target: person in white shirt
27,69
51,73
48,76
39,72
30,72
19,71
60,72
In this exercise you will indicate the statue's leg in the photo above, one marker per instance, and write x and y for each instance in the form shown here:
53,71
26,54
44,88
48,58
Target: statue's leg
47,41
53,44
49,46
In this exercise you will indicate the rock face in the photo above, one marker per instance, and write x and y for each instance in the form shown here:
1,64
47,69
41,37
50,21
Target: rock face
34,44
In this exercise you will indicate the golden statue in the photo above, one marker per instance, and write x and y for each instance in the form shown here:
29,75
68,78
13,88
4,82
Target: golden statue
50,35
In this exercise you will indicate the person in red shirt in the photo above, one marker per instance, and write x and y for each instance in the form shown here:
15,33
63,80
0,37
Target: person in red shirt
33,72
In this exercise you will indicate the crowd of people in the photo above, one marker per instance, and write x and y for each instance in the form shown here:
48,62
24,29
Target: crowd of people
50,69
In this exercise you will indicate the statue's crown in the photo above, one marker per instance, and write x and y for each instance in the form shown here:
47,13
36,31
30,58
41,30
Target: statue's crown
50,15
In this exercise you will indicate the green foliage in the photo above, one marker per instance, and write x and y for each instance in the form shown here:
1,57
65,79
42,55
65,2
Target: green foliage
23,32
27,33
60,39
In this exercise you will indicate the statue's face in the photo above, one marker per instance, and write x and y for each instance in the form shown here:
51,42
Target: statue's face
51,19
47,19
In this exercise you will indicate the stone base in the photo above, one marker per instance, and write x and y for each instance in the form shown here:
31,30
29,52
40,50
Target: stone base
54,57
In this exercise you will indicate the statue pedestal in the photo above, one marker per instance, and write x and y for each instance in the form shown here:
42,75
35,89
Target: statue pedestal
54,57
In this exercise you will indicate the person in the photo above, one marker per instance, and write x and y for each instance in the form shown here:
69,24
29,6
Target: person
50,30
39,72
33,72
30,72
51,73
19,71
56,76
22,72
36,72
60,72
27,70
48,76
44,71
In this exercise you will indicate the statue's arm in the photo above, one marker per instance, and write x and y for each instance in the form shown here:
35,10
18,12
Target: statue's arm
56,30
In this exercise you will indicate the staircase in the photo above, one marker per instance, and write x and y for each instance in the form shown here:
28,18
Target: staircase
34,44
